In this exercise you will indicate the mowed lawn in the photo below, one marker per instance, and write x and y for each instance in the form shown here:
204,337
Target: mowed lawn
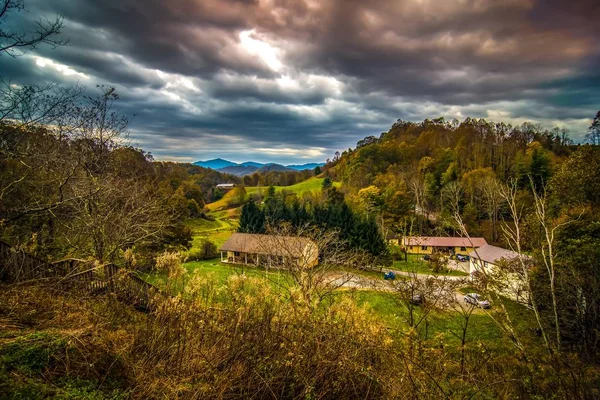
217,231
393,312
220,272
415,263
309,185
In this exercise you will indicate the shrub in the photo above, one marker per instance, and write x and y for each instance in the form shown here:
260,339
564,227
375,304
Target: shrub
206,251
438,263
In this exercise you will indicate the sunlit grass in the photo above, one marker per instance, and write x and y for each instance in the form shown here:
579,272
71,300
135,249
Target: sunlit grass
415,263
310,185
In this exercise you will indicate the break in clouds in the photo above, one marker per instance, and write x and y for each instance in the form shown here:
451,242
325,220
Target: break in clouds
294,81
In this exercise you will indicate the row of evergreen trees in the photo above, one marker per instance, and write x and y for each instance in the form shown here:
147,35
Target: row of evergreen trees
357,231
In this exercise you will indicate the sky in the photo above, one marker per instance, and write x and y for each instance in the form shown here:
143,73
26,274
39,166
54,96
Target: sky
293,81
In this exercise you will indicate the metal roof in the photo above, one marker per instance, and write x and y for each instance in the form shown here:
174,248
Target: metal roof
493,254
290,246
441,241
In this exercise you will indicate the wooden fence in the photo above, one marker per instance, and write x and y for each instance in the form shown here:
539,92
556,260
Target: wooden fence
77,276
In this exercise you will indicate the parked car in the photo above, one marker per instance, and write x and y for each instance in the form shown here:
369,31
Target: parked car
426,257
477,300
417,299
390,275
460,257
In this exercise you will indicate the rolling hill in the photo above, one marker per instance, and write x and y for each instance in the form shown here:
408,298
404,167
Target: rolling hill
309,185
222,165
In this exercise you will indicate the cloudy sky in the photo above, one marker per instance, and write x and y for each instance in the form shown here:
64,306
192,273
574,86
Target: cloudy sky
293,81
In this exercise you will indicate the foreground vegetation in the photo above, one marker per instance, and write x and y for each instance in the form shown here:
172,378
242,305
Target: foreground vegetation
242,339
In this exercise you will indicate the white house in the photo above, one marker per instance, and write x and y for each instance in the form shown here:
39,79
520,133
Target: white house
509,280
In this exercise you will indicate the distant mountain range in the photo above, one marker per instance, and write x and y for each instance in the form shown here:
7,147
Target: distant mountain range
250,167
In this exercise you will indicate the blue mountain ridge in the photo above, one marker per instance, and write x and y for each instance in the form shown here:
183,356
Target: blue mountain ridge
219,163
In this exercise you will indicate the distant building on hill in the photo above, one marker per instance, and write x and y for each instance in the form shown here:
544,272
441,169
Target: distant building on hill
225,186
438,244
270,251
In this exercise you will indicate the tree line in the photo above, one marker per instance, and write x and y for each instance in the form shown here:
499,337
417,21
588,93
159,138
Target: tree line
357,231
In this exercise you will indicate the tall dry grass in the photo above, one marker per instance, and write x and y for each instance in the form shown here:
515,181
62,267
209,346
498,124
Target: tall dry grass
246,340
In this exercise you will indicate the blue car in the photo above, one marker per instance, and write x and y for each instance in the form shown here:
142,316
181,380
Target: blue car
389,276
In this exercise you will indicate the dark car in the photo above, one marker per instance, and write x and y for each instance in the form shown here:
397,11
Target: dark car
417,299
427,257
390,275
476,300
460,257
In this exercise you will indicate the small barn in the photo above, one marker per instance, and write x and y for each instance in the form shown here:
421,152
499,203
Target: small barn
440,244
270,251
225,186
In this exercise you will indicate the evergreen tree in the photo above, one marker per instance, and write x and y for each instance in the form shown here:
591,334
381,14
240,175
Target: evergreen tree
539,168
252,219
327,183
593,135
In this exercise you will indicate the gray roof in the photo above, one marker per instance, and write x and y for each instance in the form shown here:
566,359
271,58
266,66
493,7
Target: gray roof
493,254
290,246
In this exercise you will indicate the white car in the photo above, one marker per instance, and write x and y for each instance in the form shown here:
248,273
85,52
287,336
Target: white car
476,300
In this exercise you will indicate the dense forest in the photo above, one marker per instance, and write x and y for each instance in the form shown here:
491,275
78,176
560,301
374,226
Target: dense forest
329,212
418,173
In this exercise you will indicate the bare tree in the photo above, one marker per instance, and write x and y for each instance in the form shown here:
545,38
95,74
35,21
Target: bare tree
549,229
489,189
45,31
294,250
423,294
465,311
416,185
514,237
453,194
484,280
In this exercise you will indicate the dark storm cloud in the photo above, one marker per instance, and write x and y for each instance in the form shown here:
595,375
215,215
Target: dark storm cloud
281,80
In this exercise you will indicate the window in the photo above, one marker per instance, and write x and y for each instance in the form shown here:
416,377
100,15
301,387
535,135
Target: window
423,247
463,249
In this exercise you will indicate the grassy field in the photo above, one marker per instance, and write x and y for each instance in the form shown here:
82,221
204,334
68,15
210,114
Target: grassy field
217,231
394,313
391,310
309,185
220,272
415,263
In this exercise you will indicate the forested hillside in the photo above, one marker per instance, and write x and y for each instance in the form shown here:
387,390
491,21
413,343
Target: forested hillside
526,188
417,176
73,186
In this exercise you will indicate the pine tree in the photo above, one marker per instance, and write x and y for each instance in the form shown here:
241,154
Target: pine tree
540,168
252,219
